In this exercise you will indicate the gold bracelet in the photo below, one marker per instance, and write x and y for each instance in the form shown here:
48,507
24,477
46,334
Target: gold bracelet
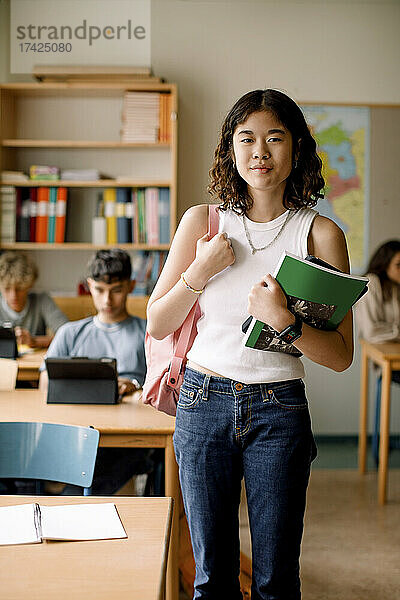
189,287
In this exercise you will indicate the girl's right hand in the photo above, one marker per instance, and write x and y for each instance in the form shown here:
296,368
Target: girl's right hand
213,256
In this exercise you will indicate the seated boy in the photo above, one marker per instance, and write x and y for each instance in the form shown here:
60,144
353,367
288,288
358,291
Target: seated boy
114,333
31,314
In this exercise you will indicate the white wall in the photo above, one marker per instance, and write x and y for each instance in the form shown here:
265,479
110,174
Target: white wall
324,51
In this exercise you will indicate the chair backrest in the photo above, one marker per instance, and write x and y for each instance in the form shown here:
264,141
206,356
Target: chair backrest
63,453
8,373
80,307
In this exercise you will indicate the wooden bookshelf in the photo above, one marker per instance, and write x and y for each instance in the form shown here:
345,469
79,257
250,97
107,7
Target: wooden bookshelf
78,125
78,246
79,144
100,183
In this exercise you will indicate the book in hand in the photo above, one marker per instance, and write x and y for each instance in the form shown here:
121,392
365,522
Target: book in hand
33,523
317,292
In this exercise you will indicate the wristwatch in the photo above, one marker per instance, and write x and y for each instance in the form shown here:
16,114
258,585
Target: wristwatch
293,332
136,384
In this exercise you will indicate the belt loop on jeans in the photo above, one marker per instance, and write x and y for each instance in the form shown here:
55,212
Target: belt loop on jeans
206,383
265,392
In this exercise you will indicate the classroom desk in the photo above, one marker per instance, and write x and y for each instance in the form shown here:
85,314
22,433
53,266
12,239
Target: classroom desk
387,356
131,568
129,424
28,365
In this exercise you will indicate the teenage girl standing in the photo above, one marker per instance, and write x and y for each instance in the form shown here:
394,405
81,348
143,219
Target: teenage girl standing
243,412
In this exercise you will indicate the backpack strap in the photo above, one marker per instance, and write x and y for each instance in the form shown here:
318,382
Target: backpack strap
186,332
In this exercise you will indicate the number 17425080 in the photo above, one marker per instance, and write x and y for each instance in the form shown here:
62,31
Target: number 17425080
45,47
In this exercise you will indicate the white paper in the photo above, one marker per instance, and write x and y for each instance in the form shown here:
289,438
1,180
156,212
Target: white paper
17,525
81,522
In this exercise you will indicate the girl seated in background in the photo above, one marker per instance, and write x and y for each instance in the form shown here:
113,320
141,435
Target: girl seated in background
31,314
378,312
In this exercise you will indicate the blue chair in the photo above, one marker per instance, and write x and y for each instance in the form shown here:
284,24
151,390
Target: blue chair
50,452
376,432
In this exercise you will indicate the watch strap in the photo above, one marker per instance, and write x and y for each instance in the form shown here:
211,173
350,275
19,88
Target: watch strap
292,333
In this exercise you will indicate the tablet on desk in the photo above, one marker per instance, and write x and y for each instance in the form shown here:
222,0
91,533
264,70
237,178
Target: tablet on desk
81,380
8,343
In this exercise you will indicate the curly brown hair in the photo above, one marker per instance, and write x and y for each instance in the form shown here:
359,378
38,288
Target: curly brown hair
305,183
17,269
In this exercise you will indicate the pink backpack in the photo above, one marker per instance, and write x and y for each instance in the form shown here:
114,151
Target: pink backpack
166,359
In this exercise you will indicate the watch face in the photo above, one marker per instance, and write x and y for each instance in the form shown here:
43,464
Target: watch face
291,333
291,336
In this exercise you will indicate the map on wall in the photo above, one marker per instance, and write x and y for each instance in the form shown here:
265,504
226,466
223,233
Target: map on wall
342,134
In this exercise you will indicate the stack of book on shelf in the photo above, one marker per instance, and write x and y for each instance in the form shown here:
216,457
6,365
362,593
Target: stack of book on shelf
35,214
132,215
146,268
13,176
44,172
145,117
93,73
80,175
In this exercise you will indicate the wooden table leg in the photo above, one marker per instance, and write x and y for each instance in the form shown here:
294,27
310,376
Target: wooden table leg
384,432
362,439
172,490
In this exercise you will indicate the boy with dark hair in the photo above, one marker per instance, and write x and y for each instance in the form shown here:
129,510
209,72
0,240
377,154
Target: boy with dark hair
112,332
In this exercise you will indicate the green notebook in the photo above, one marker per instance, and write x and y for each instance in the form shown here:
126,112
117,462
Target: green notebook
320,295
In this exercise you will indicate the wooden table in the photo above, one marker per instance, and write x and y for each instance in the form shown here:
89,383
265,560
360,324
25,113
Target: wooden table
131,568
126,425
387,356
28,365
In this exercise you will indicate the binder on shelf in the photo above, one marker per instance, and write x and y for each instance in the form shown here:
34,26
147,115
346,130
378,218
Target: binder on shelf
8,214
61,211
18,213
135,216
51,221
129,214
99,231
164,215
32,213
124,233
141,216
81,380
109,197
25,216
151,208
42,214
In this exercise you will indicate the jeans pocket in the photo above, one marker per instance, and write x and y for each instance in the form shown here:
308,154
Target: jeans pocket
189,396
290,396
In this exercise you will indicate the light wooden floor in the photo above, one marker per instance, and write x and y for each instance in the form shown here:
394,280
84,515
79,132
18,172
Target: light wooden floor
351,546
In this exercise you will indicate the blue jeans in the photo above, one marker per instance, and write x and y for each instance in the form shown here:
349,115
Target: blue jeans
226,430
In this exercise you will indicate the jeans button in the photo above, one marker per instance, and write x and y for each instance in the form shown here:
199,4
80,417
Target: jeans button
238,387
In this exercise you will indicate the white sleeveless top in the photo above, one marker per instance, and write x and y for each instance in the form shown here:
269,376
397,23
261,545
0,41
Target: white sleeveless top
219,343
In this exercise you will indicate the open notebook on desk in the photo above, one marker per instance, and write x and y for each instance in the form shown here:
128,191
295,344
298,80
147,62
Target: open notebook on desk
33,523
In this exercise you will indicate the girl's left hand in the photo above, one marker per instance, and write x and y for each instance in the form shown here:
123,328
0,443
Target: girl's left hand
267,303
